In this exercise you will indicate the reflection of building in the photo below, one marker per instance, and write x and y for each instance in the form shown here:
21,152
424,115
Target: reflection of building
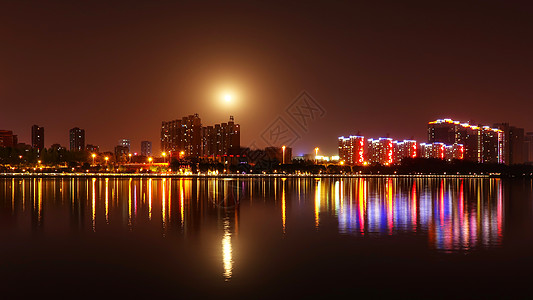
37,137
456,214
8,139
77,139
146,148
481,144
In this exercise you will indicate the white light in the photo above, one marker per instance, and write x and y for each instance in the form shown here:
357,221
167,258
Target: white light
227,97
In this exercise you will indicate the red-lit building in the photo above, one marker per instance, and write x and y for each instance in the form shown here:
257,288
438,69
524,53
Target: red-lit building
406,148
381,151
352,150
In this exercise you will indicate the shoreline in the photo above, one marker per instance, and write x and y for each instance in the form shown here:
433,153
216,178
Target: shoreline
276,175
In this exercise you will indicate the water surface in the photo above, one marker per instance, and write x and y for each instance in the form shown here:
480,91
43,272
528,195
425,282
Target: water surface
263,238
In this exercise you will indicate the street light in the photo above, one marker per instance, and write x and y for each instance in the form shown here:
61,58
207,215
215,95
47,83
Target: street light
164,157
129,155
93,155
106,159
150,159
283,159
316,154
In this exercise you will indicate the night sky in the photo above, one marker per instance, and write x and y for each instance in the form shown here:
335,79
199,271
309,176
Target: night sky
376,67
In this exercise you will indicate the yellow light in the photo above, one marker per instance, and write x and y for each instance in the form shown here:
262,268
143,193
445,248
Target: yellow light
164,154
93,155
129,154
39,162
149,159
227,97
106,158
342,163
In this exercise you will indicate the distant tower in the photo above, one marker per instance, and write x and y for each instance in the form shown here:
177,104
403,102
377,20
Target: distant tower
37,137
146,148
77,139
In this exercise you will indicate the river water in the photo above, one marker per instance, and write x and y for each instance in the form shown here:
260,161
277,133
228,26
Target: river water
266,238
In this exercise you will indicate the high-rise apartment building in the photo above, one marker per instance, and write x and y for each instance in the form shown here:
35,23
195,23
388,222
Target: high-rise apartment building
8,139
513,143
381,151
183,135
188,135
146,148
352,150
406,148
221,139
481,143
77,139
37,137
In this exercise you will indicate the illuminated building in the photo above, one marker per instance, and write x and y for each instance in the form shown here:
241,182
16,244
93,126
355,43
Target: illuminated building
406,148
146,148
8,139
77,139
37,137
189,136
352,150
125,143
221,140
441,151
183,135
481,143
380,151
513,143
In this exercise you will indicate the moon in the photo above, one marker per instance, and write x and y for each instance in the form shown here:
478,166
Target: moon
227,97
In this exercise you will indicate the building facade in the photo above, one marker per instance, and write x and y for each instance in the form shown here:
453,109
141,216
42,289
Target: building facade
352,150
77,139
482,144
146,148
194,140
37,137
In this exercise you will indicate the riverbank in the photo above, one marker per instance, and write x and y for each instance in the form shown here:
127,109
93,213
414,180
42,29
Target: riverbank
277,175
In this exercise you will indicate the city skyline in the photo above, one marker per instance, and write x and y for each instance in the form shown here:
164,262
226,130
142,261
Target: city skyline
505,127
118,72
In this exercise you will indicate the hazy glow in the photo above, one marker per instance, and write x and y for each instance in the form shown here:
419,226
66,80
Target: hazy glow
228,97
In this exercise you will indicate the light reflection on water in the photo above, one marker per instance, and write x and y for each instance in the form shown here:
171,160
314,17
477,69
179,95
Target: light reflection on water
455,214
452,214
